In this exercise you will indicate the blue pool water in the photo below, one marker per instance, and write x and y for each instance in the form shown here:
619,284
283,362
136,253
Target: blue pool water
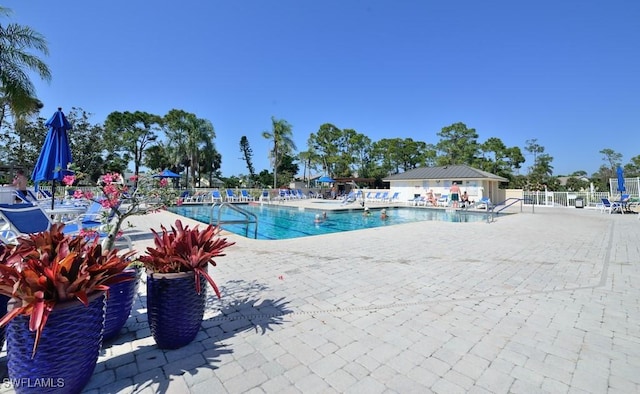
285,222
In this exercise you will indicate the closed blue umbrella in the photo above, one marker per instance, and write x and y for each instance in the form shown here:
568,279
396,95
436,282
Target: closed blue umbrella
55,156
621,187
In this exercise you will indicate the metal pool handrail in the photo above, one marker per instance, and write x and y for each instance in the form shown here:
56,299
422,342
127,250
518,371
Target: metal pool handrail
249,217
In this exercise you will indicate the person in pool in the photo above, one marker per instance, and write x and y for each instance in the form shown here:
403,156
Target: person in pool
383,214
366,212
320,219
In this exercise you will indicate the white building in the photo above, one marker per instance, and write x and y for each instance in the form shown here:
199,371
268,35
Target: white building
476,183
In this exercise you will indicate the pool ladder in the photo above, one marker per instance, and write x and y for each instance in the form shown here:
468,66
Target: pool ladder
249,218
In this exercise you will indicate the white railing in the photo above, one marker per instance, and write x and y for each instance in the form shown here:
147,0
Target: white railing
563,199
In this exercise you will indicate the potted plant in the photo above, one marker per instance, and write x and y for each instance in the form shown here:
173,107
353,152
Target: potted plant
55,318
119,202
176,268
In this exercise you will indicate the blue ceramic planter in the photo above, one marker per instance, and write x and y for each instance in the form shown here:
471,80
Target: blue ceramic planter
3,311
119,303
67,353
174,309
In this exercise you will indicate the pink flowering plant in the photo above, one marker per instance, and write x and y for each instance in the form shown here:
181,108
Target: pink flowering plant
120,201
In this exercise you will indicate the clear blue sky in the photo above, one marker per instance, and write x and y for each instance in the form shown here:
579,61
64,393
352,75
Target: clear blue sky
564,72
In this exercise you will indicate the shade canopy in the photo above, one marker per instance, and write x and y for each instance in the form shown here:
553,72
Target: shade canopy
621,187
325,179
55,156
167,174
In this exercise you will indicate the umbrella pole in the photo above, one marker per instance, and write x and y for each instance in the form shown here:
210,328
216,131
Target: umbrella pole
53,193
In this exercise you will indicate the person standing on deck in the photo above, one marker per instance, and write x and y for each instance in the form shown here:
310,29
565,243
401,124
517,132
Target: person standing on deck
455,194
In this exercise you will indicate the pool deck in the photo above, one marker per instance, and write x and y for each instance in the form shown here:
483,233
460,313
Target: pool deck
530,303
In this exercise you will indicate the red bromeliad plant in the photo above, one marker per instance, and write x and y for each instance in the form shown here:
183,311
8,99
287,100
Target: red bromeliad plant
185,249
48,268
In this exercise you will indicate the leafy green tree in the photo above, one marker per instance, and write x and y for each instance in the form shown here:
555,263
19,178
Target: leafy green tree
360,150
632,169
209,162
265,178
575,184
157,157
191,134
498,159
324,144
611,159
22,142
87,143
247,155
128,134
310,161
17,92
287,169
458,145
535,149
282,138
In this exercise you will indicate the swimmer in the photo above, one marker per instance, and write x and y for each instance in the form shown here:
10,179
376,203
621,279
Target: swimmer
383,214
317,219
366,212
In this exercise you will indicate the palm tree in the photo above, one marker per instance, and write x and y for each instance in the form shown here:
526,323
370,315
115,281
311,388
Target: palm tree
17,92
189,134
283,144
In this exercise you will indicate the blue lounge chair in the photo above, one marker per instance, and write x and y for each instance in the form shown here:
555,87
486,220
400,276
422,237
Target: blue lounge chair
610,206
215,196
245,196
23,219
231,196
265,196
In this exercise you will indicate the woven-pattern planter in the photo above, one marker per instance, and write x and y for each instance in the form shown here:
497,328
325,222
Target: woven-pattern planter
67,353
119,303
174,309
3,310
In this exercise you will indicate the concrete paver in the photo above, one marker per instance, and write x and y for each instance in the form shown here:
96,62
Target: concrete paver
544,302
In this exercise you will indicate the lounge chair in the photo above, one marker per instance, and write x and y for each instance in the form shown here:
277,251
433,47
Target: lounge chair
443,200
265,196
349,198
245,196
27,218
215,196
483,203
301,194
610,206
231,196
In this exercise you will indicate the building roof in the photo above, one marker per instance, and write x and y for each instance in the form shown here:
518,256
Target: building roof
457,172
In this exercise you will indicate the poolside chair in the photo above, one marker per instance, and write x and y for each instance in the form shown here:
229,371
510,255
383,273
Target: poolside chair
284,194
610,206
483,203
301,194
231,196
184,195
23,219
265,196
215,196
245,196
395,197
349,198
443,200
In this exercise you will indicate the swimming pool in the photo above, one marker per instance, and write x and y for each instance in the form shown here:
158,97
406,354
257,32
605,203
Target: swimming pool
278,222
